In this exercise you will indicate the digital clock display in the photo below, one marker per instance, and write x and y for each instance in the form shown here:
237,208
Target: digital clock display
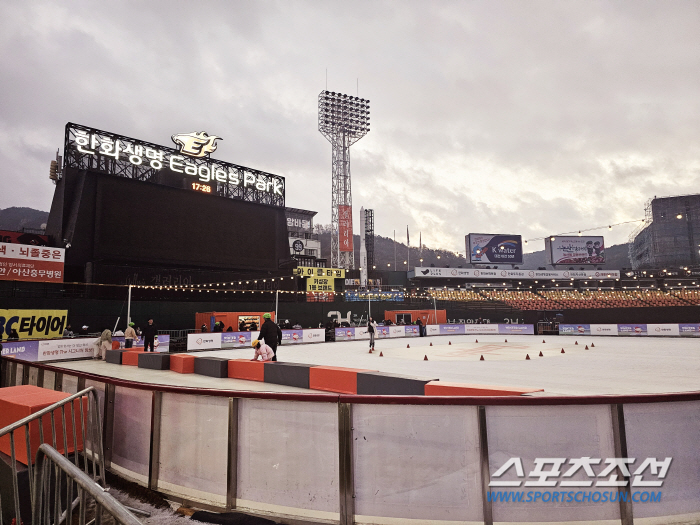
205,188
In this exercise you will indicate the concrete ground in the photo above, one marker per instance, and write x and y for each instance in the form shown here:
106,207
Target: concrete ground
615,365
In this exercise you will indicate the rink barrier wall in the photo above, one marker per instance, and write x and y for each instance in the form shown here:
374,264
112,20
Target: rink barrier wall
341,458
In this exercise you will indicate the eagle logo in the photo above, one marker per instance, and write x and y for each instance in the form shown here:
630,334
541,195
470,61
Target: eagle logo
196,144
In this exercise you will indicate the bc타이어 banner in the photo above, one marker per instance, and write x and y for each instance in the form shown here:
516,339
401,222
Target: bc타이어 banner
33,324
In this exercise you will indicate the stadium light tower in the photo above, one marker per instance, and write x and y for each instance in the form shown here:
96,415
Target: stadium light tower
343,120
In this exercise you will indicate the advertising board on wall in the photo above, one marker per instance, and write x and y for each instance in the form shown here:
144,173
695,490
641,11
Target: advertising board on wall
33,324
491,248
345,228
497,274
19,262
575,250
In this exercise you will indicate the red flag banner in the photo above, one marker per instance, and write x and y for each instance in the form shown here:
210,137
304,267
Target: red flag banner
345,228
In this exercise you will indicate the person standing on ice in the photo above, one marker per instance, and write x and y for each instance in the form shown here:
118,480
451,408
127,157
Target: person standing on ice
371,330
271,333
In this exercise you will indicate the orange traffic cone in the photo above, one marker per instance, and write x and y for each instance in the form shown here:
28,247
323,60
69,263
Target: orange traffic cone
541,355
527,357
381,355
576,343
370,350
592,345
586,347
449,342
425,358
408,346
506,340
431,344
476,341
562,351
543,340
482,358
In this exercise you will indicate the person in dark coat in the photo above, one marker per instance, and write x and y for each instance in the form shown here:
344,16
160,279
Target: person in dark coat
241,326
149,334
271,333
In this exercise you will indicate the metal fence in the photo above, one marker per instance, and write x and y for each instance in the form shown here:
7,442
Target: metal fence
57,477
83,425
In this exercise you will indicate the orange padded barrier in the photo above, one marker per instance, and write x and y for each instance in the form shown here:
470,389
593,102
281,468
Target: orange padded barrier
131,358
18,402
245,369
334,379
182,363
440,388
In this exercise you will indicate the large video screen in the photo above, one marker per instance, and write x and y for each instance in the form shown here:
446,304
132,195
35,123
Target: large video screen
155,224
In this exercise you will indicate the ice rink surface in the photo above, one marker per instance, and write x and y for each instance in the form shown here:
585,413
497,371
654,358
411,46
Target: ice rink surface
615,365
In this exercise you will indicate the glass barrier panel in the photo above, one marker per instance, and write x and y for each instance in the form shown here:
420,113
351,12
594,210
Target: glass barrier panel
194,447
526,433
100,389
660,431
288,457
33,375
132,433
19,373
70,384
49,379
417,462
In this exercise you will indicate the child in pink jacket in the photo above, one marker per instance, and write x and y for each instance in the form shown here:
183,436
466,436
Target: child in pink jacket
262,350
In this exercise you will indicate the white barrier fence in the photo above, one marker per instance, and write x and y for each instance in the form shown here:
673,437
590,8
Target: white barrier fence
630,329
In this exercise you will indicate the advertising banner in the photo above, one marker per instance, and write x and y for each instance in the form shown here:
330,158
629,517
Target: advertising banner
314,335
575,250
448,329
292,337
496,274
689,330
574,329
23,238
361,332
480,329
320,284
516,329
663,330
397,331
19,262
33,324
312,271
383,332
345,228
632,329
603,329
344,334
76,348
203,341
25,350
432,329
236,339
411,331
488,248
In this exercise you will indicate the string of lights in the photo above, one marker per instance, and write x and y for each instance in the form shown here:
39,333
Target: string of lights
583,230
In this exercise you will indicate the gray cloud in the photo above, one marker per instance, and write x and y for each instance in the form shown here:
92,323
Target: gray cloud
514,117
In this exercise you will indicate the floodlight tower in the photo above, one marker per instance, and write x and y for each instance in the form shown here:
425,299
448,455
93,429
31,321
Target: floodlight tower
343,120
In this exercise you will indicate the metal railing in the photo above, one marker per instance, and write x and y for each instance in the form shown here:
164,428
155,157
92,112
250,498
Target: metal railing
56,476
90,428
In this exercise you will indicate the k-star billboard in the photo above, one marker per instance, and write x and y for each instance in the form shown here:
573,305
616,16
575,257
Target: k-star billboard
499,249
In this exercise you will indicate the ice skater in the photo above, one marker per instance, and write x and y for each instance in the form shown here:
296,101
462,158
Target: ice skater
371,330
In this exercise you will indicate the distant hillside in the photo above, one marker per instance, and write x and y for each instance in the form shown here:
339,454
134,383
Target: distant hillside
14,219
617,256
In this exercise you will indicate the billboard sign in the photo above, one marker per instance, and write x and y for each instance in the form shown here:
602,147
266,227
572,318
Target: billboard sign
33,324
96,150
22,262
575,250
499,249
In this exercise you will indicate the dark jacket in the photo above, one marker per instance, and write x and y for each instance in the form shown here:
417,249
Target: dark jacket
271,333
149,331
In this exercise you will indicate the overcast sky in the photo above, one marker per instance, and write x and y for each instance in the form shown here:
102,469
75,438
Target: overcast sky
520,117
